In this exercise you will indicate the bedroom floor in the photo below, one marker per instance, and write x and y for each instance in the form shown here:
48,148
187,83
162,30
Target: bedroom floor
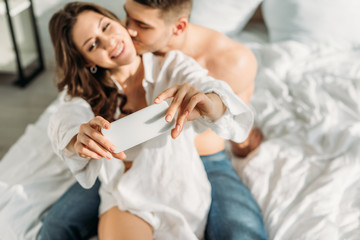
22,106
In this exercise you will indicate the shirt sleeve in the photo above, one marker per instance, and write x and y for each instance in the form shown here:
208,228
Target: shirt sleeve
238,119
64,124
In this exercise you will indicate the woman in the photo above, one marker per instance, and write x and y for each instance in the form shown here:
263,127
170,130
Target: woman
160,190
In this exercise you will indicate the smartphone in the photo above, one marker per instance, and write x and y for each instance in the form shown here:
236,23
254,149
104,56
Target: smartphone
139,127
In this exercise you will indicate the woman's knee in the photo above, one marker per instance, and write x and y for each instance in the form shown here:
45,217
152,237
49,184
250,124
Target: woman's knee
117,224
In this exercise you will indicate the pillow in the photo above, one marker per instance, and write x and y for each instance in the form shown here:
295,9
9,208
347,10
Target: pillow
228,17
313,21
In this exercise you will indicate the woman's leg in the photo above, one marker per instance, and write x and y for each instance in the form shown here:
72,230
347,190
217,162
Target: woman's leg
234,214
116,224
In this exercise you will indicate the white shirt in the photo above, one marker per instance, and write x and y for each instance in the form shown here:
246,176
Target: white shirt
167,185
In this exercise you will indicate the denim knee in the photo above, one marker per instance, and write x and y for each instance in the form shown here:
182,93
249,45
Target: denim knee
73,216
234,213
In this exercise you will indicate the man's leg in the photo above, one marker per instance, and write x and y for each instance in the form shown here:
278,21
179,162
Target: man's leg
74,215
250,144
234,214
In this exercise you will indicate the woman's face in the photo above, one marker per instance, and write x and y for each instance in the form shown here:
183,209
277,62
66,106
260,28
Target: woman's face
102,41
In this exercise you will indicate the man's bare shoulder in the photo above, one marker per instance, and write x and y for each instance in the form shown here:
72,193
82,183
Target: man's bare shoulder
225,59
218,50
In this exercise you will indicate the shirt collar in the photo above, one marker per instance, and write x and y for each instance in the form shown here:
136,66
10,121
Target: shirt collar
148,62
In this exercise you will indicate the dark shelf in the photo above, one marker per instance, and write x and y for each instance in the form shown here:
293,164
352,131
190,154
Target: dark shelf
25,73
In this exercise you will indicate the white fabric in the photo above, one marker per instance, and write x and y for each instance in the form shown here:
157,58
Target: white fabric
313,21
167,184
306,174
32,178
228,18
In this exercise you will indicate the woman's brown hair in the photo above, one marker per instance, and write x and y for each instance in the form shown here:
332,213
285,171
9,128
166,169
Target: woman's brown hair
97,89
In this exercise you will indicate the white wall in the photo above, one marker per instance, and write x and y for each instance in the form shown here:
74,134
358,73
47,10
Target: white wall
44,9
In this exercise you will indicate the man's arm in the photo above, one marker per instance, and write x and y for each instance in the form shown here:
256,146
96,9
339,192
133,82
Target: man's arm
237,65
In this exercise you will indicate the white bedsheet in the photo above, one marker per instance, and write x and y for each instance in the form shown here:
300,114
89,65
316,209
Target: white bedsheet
306,174
32,177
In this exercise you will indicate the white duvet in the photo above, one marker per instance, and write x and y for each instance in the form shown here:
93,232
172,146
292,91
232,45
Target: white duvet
32,177
305,175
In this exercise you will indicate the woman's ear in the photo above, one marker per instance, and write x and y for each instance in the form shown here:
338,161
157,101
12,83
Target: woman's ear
180,26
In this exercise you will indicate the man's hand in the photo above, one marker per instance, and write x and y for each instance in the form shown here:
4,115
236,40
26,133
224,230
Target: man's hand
190,104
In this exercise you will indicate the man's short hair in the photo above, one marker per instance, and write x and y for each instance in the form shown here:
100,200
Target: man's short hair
170,9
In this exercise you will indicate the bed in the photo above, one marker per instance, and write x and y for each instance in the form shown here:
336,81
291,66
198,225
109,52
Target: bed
305,175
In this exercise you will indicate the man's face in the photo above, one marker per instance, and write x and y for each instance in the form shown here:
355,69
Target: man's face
149,32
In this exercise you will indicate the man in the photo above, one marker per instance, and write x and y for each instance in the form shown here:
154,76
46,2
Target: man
161,26
160,30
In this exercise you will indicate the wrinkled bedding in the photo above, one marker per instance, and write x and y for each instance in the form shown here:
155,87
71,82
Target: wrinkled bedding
305,176
32,178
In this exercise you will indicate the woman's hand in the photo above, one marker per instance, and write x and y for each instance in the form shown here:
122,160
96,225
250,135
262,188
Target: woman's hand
90,143
190,104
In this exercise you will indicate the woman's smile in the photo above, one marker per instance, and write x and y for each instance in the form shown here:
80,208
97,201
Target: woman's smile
118,51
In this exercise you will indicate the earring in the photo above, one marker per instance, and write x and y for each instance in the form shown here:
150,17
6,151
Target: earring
93,70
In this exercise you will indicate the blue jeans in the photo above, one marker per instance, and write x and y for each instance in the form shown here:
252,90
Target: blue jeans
74,215
234,215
